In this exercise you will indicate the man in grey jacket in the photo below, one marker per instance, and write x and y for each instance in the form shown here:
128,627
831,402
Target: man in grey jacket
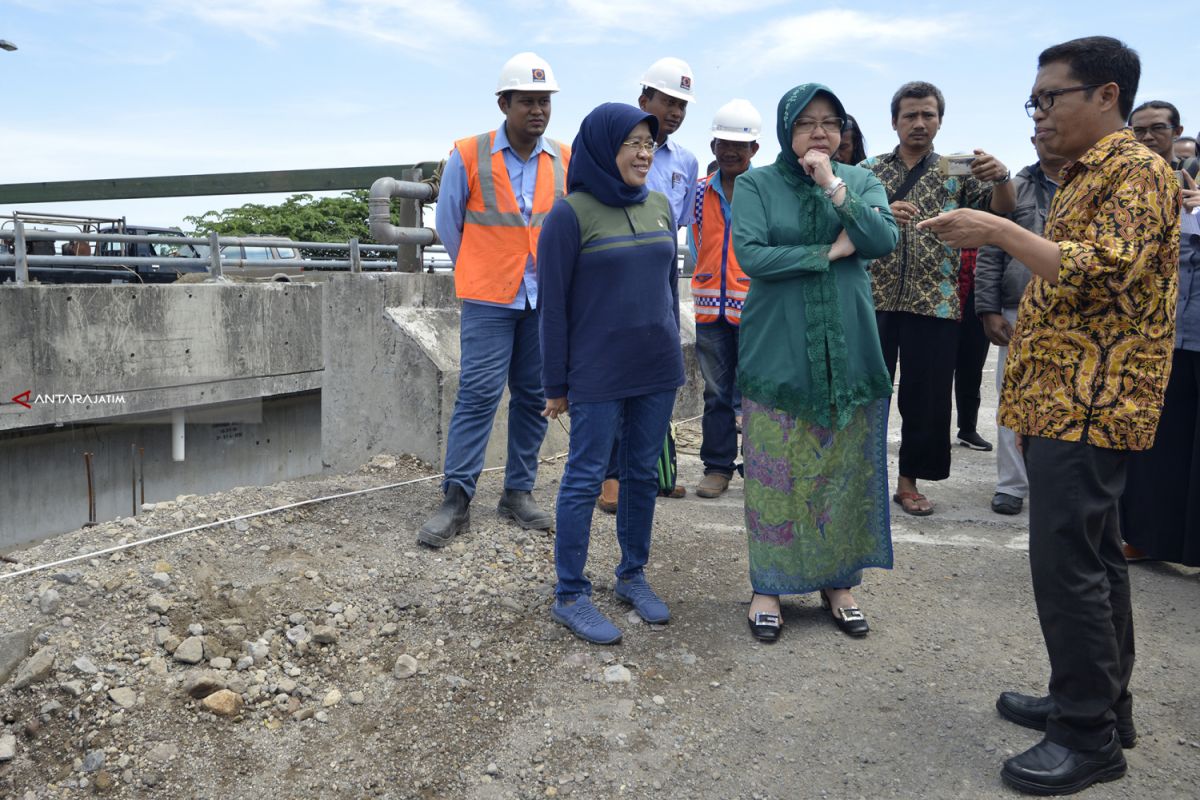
1000,281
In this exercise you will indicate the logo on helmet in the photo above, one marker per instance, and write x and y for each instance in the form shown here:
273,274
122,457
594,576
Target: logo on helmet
539,76
685,82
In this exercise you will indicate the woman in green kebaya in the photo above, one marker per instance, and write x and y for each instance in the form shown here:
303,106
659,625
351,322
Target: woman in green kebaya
814,384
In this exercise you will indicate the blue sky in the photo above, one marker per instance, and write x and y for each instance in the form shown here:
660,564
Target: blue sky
129,88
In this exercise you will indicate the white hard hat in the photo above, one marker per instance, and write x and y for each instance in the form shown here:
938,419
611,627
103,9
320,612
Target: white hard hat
737,121
671,76
526,72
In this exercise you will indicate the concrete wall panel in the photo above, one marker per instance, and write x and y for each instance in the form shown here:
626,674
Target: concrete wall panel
43,481
159,347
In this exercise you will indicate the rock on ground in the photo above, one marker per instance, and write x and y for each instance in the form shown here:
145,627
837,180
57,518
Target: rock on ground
36,669
223,703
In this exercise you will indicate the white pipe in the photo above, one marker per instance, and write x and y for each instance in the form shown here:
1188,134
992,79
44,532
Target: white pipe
177,436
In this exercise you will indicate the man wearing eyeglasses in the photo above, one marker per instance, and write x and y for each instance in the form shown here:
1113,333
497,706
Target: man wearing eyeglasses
1083,387
1156,124
1160,510
916,287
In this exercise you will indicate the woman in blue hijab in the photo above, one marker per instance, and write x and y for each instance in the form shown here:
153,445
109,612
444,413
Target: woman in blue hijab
815,389
608,293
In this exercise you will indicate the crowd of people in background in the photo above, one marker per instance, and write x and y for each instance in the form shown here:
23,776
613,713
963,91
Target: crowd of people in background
815,280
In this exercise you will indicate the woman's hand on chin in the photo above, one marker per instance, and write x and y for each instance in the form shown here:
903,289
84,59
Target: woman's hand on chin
816,166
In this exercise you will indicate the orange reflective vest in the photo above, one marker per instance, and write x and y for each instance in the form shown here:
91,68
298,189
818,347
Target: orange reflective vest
719,286
496,242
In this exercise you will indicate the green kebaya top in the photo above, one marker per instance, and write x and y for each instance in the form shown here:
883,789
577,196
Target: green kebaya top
808,344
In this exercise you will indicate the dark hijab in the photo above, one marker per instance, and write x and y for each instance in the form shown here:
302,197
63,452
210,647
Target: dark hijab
858,147
594,154
790,106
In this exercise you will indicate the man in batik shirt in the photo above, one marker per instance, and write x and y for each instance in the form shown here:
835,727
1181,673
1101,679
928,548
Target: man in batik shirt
916,287
1088,366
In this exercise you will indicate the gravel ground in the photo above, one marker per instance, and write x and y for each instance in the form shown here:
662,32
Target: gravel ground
318,652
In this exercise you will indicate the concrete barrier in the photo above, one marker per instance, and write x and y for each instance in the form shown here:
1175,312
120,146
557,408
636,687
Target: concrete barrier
392,364
276,380
156,348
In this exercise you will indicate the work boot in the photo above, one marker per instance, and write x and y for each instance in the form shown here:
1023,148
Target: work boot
713,484
609,493
519,506
451,518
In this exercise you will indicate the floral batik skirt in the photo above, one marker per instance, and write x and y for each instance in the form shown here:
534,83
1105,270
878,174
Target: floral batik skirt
816,499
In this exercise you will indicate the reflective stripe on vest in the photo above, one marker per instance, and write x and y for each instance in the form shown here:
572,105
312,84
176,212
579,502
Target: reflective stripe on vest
496,241
719,286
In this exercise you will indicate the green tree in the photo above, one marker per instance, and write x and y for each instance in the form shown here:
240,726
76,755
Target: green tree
301,218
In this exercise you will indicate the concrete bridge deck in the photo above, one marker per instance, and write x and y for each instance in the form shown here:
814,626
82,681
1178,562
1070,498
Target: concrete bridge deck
504,704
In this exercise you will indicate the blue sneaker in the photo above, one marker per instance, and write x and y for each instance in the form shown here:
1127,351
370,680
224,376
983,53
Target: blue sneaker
637,592
586,621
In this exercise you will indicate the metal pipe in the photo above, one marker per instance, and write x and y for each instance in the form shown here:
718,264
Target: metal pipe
355,256
142,474
380,208
214,264
87,462
21,258
177,435
133,478
251,241
65,262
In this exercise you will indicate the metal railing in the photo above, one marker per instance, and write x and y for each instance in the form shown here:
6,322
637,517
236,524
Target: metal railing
217,262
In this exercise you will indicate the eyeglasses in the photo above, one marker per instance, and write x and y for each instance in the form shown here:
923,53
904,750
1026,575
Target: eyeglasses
1156,129
1045,100
647,147
830,125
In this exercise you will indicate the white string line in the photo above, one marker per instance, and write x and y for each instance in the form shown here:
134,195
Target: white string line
216,523
172,534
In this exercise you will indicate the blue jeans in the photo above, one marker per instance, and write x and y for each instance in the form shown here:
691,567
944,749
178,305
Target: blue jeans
643,422
499,345
717,352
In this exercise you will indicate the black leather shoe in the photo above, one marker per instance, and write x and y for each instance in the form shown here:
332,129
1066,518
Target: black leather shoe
764,626
1007,503
519,506
850,620
452,518
1049,768
1032,712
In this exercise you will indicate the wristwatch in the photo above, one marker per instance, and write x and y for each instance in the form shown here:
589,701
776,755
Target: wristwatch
1007,177
833,186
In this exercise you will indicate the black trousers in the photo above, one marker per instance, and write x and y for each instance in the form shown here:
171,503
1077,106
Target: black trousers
968,367
1081,585
926,349
1160,511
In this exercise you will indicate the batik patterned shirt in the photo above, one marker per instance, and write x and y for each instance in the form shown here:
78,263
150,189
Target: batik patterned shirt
1090,356
921,274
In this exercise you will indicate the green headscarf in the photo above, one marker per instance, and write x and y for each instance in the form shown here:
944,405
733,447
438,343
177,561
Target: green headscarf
790,106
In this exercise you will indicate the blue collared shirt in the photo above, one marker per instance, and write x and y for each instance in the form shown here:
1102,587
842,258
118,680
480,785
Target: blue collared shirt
1187,312
674,172
455,190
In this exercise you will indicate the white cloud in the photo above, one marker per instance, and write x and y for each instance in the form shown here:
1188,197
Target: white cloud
422,25
844,35
587,21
